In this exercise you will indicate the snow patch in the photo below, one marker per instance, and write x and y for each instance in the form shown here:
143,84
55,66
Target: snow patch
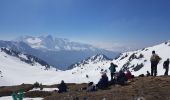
10,98
45,89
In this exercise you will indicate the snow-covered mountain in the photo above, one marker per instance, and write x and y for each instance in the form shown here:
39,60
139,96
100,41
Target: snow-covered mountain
94,59
15,71
60,53
29,59
139,61
16,67
54,44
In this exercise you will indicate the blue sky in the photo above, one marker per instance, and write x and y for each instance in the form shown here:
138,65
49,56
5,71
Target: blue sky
110,24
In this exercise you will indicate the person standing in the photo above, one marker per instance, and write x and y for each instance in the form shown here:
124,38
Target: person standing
154,62
112,69
166,66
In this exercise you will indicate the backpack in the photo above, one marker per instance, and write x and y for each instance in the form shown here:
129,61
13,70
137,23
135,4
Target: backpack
165,64
157,58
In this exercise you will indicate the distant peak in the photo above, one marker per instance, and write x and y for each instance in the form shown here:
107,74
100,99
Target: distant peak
99,57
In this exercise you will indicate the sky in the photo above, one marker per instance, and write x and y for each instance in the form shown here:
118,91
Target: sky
110,24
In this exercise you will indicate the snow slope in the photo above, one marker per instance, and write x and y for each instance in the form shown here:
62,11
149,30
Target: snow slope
10,98
15,71
17,68
91,68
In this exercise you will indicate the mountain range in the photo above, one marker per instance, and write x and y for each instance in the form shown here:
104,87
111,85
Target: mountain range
48,43
58,52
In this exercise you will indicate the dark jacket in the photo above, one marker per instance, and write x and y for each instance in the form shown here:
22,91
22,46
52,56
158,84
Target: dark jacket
103,83
121,79
62,87
166,64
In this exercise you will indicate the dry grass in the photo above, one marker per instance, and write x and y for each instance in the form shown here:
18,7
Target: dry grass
33,94
8,90
151,88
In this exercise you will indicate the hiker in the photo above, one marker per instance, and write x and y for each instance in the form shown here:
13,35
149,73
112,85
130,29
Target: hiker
129,75
121,78
166,66
112,69
14,96
154,62
103,82
18,96
91,87
148,74
62,87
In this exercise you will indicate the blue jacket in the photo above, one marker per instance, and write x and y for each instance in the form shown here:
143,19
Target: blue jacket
112,68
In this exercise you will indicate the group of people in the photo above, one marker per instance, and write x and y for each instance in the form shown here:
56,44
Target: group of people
120,77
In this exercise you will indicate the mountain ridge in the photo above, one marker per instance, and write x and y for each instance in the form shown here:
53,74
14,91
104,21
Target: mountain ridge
54,44
95,59
29,59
